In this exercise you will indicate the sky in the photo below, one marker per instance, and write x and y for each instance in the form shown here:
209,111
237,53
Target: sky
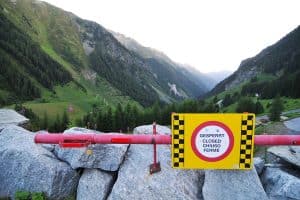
210,35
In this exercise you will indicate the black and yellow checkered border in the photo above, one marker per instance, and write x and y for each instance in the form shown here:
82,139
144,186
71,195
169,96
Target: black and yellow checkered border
177,140
247,139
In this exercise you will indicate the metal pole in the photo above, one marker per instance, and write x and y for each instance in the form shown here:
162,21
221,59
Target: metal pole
155,167
78,140
277,140
154,145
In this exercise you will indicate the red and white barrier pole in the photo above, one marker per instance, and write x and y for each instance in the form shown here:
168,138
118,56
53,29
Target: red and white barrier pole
277,140
78,140
67,140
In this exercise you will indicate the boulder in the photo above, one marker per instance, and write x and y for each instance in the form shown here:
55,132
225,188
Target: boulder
290,154
11,117
94,185
26,166
293,124
79,130
148,129
280,185
49,147
259,164
233,184
104,156
135,182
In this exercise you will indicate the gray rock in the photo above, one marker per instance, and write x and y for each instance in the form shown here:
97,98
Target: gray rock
293,124
106,157
148,129
94,185
232,184
280,185
49,147
29,167
79,130
11,117
290,154
135,182
259,164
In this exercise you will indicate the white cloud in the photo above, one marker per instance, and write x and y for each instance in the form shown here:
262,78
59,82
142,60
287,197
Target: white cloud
209,35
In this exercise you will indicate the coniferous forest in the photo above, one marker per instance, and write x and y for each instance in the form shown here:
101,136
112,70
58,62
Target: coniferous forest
24,60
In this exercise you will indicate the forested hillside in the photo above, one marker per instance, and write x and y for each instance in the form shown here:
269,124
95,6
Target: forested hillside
22,61
193,82
53,61
274,71
56,47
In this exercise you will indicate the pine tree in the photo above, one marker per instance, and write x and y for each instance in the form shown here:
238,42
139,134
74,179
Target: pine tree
57,124
65,121
45,121
227,100
259,108
128,117
210,107
119,118
156,115
99,121
245,105
135,116
108,120
215,100
79,122
2,100
276,109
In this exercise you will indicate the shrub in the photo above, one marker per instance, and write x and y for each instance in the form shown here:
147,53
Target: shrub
22,195
276,109
259,108
37,196
245,104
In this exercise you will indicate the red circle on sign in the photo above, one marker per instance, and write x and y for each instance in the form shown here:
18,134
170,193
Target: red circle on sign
212,123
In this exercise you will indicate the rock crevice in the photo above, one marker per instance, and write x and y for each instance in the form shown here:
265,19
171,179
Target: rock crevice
115,175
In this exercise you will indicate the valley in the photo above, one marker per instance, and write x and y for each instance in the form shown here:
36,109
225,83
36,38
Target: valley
118,107
100,71
63,63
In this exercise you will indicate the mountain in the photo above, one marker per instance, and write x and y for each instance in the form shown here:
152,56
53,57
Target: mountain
52,51
218,76
275,70
189,81
24,65
42,58
199,77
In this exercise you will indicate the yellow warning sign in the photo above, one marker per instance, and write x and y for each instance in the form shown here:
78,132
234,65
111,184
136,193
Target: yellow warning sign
212,141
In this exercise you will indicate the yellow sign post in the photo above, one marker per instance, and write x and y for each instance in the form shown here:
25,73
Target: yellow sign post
212,141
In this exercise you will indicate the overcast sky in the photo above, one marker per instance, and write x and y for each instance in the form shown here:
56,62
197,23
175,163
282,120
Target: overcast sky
209,35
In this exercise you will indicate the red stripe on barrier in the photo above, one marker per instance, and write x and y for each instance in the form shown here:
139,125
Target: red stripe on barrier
120,140
73,145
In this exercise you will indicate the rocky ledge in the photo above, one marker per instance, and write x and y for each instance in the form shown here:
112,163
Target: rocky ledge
122,172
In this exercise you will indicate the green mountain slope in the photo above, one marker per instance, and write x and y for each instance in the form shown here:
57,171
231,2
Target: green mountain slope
32,34
275,70
116,64
189,81
90,53
32,63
